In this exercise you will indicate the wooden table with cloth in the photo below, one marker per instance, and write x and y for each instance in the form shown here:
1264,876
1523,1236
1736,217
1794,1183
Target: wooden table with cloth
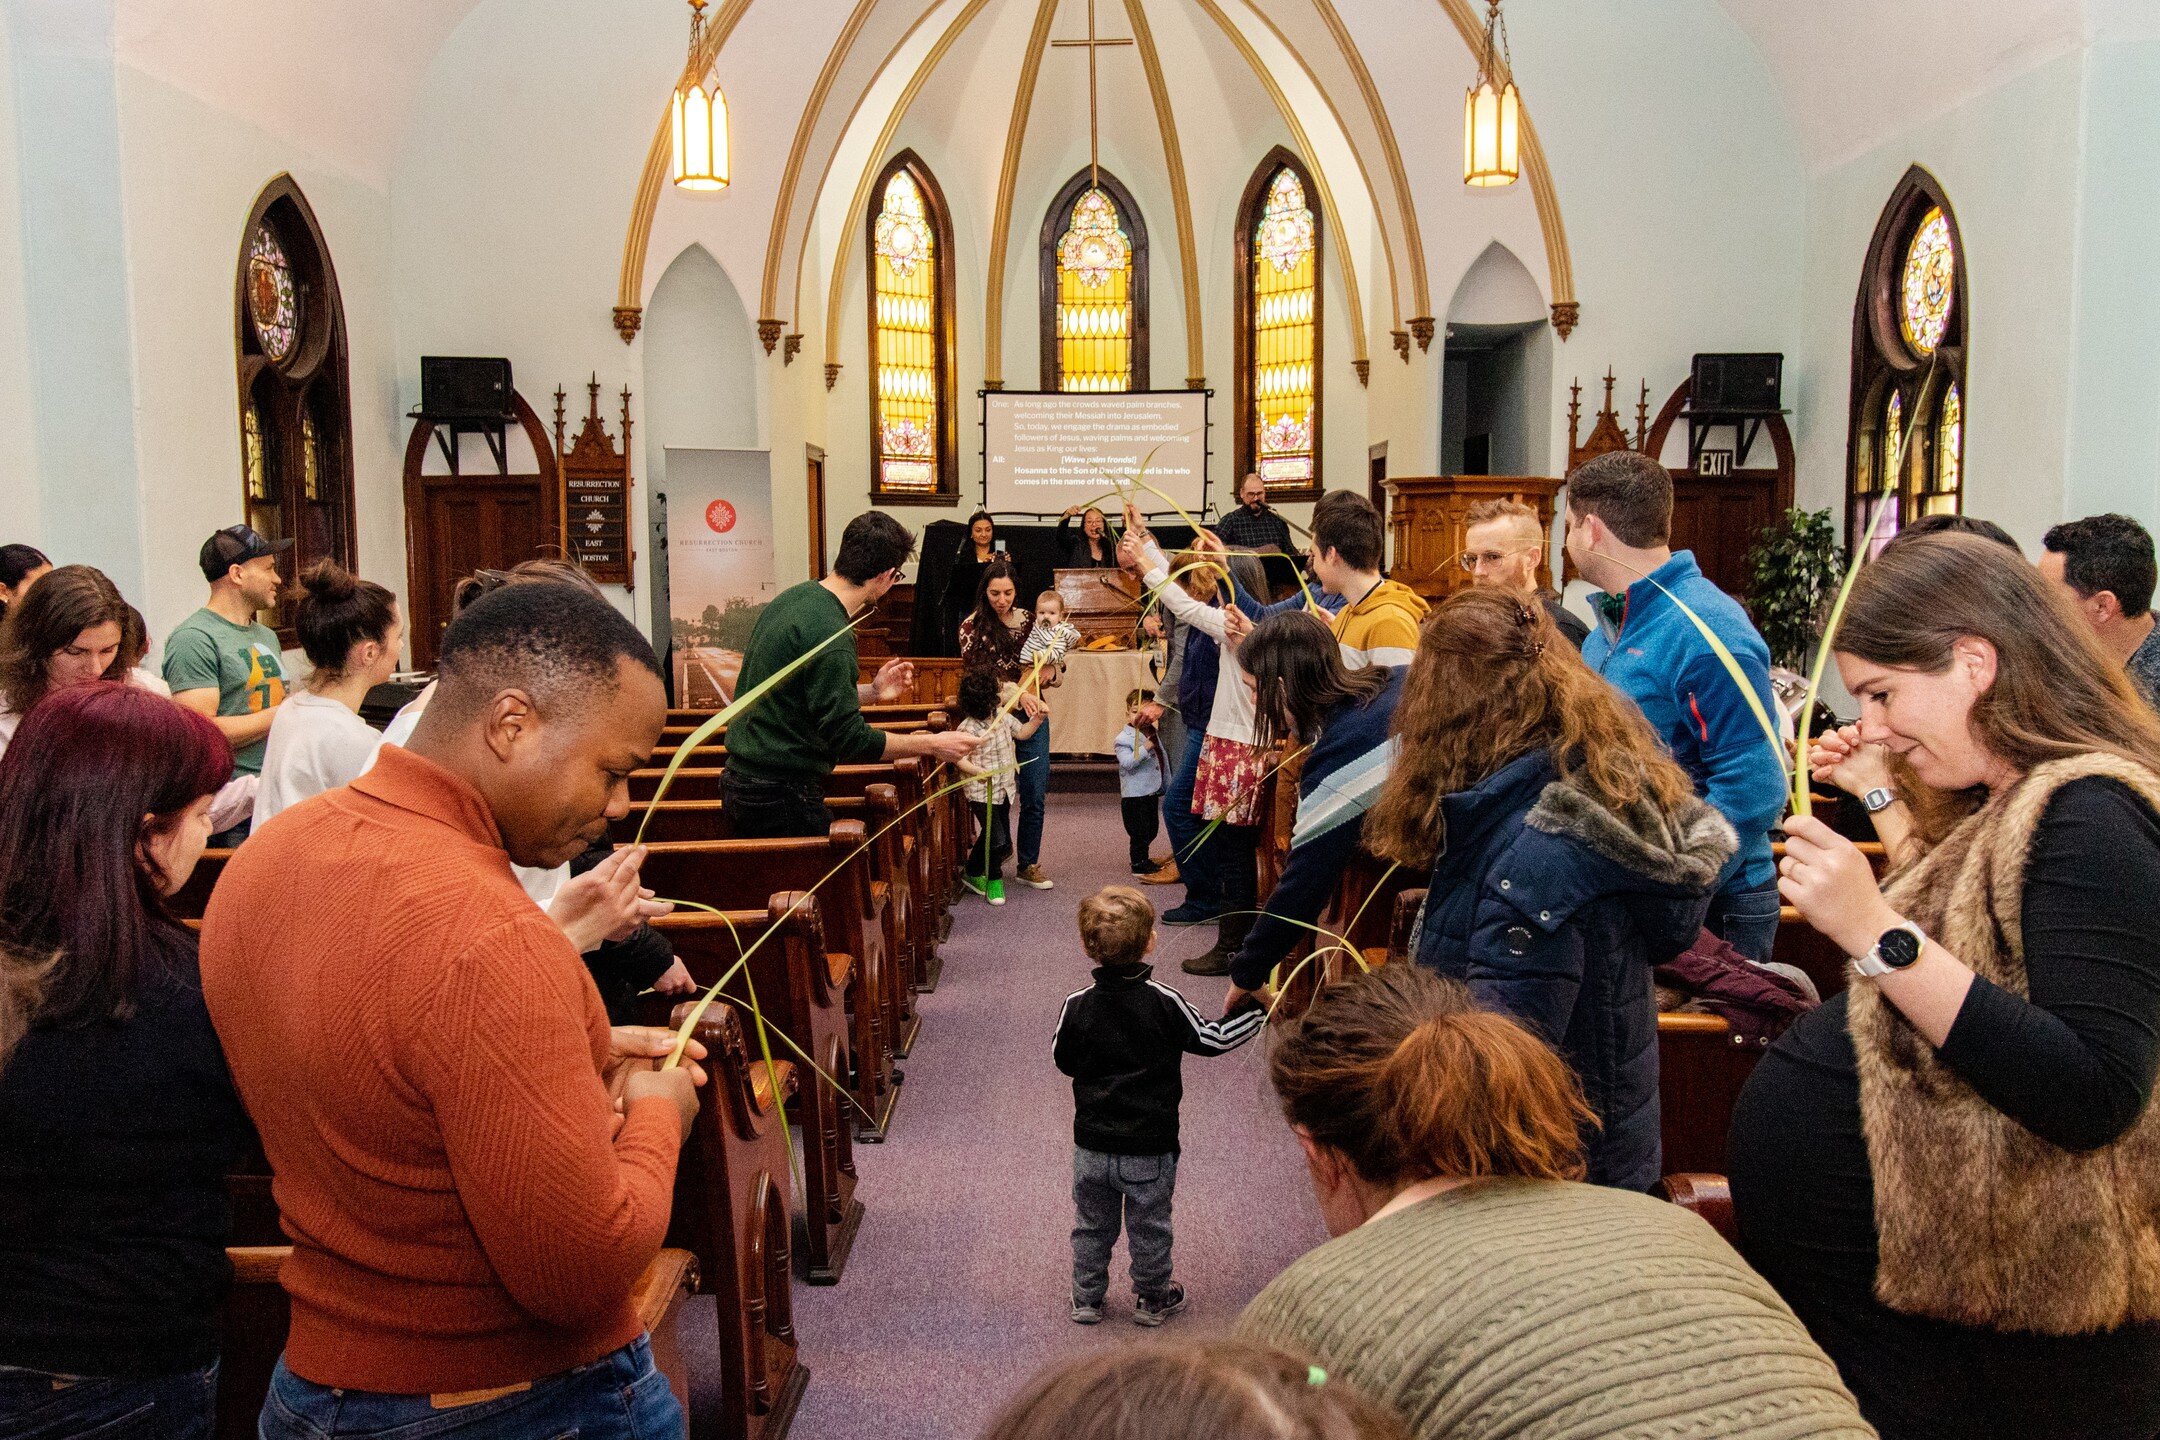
1087,707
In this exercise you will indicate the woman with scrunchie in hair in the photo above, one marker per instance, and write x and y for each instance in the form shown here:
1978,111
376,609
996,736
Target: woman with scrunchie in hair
1473,1283
350,629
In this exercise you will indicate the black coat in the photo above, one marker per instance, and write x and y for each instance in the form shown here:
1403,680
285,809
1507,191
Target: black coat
1124,1040
1555,909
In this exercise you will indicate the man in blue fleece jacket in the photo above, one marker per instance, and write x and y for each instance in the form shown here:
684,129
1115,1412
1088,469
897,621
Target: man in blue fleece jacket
1619,522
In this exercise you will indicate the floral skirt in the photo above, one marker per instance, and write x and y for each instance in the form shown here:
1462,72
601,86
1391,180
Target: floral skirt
1227,787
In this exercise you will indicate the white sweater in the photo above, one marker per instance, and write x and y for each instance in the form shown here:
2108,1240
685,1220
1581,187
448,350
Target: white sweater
1232,717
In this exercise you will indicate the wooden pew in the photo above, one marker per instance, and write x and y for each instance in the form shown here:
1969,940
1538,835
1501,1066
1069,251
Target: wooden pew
682,722
257,1317
877,810
801,989
745,874
188,901
1706,1195
731,1211
1700,1071
1800,945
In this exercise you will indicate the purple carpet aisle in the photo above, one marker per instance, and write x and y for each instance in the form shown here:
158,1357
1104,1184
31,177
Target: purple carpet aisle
957,1288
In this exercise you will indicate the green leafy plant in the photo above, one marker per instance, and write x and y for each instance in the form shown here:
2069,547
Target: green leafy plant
1795,567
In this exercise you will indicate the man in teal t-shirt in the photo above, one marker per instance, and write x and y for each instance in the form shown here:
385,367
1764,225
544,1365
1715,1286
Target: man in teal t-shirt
221,661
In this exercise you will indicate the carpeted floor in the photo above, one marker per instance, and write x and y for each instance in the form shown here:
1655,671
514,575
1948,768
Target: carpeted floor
957,1289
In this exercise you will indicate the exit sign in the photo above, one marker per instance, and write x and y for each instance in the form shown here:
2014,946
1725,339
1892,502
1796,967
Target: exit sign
1714,462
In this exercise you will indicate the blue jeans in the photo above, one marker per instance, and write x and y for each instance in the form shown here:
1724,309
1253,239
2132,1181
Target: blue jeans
1195,867
620,1396
1033,780
35,1405
1134,1190
774,809
1746,919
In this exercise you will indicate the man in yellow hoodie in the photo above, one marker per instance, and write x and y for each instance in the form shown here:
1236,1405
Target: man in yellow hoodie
1378,624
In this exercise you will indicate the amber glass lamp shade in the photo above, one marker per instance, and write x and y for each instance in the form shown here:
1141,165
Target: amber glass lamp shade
699,119
1492,130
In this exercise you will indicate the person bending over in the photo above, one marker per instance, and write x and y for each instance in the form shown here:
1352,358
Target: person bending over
1473,1283
1209,1390
1123,1040
473,1168
781,751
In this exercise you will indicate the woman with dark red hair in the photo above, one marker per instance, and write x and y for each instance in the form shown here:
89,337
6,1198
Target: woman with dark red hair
118,1119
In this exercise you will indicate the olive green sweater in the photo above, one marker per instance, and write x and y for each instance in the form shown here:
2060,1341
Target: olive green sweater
1550,1311
812,720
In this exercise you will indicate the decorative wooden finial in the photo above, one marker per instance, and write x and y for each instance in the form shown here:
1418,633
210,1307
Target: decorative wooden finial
1642,417
560,396
1574,412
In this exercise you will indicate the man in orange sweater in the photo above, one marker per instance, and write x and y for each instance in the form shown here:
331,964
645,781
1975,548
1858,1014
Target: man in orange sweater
472,1176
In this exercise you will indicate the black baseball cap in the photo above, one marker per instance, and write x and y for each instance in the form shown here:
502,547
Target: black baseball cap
236,545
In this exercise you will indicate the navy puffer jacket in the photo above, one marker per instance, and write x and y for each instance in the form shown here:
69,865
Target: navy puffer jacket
1553,908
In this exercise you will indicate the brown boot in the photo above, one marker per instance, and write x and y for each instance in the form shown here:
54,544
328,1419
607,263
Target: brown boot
1167,874
1230,935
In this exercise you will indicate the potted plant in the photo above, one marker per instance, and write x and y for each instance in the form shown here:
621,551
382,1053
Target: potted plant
1795,566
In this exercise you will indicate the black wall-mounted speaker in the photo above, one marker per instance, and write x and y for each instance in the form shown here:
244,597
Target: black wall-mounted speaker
464,387
1746,383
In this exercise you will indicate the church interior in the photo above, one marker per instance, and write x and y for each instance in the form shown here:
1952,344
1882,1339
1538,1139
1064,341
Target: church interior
391,298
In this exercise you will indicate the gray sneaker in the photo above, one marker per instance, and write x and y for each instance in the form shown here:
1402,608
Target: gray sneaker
1152,1311
1086,1314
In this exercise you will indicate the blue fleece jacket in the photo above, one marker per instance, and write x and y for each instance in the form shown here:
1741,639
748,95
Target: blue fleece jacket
1342,779
1655,656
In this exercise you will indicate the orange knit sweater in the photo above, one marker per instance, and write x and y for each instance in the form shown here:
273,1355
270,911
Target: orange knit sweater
421,1050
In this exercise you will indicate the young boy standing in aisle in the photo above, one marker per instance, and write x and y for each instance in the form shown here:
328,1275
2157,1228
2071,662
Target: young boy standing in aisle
991,784
1123,1040
1140,780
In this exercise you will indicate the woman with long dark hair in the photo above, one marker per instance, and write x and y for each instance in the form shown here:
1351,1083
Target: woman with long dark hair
69,629
1094,547
963,583
1339,717
1952,1169
350,629
1568,854
1473,1283
21,566
991,639
118,1120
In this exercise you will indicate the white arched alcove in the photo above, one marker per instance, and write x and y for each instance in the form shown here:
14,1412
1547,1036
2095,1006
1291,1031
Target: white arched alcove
702,382
1496,371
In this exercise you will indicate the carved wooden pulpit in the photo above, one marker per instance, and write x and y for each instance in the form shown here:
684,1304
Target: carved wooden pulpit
1100,602
1426,522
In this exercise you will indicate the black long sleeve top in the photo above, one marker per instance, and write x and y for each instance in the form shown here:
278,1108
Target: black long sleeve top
115,1141
2074,1062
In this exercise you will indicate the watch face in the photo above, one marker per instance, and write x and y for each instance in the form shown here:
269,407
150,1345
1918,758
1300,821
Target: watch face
1898,948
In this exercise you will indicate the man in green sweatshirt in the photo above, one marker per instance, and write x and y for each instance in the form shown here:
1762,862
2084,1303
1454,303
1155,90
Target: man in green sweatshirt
779,754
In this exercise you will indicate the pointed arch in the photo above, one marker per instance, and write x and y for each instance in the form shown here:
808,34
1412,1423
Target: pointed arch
1280,293
1107,317
1906,428
295,397
908,245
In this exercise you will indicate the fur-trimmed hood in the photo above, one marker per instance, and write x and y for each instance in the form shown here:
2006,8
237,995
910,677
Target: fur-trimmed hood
1685,848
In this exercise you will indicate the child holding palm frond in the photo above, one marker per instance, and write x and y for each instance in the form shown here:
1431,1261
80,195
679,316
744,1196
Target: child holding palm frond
991,783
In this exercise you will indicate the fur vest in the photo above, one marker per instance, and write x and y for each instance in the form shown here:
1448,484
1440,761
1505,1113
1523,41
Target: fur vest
1981,1221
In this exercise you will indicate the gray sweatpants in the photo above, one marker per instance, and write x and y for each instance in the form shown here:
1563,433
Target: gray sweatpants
1134,1190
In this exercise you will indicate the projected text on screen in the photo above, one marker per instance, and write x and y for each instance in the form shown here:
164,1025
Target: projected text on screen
1044,452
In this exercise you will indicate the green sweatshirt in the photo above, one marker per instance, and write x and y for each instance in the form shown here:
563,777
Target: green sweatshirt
812,720
1540,1310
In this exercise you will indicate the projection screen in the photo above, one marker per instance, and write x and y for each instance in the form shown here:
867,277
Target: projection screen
1043,451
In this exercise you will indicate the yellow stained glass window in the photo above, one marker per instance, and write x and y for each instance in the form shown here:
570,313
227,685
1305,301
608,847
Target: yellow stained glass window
1929,283
1949,453
1286,393
1095,297
258,478
310,459
907,311
1893,442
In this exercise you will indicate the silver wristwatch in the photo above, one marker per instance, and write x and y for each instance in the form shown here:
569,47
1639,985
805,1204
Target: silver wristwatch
1899,947
1878,800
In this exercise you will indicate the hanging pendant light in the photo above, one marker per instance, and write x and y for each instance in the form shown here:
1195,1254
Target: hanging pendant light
1492,112
699,119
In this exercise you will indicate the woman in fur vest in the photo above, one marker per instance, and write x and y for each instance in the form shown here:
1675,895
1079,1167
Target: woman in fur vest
1952,1170
1568,853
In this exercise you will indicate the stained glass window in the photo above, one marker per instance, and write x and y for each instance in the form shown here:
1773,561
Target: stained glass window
273,300
1285,300
258,478
905,322
1949,454
1094,314
1928,284
310,459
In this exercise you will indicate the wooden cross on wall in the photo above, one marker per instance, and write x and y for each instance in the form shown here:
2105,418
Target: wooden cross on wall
1091,44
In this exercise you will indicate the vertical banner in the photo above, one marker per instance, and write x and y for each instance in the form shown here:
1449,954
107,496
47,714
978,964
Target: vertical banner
720,565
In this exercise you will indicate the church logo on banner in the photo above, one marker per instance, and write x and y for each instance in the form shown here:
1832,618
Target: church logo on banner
720,571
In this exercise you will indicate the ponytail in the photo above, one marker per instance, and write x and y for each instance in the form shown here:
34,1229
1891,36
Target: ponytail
1402,1074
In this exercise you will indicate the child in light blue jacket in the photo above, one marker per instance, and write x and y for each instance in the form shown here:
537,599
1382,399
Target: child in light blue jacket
1140,781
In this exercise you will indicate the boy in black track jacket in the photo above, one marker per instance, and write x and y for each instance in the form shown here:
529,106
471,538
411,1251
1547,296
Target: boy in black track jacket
1123,1040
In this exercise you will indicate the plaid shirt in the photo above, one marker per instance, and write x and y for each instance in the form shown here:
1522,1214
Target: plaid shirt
1263,530
995,753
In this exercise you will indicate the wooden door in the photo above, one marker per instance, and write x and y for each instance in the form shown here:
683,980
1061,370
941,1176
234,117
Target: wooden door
456,523
814,464
1720,520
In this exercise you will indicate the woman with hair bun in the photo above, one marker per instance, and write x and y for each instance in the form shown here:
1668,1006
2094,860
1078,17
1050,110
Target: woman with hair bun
1472,1283
1213,1390
350,629
1568,855
21,566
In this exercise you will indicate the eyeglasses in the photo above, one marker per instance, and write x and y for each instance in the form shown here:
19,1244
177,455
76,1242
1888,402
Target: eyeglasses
1476,560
